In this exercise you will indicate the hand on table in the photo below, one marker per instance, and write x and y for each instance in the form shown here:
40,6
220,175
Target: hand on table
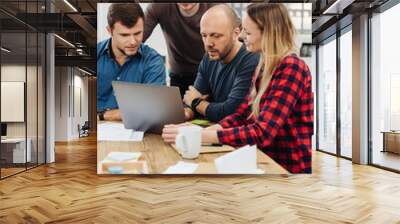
112,115
214,127
191,94
189,115
170,131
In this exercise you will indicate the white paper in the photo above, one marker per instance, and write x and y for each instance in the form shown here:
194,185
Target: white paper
259,171
240,161
110,131
123,156
182,168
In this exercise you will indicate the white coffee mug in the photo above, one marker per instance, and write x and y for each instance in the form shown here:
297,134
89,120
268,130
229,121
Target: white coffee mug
188,141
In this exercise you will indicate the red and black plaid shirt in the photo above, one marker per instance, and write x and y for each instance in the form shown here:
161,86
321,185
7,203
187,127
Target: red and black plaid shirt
284,127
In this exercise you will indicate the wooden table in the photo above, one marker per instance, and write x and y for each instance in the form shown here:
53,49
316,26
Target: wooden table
160,155
391,141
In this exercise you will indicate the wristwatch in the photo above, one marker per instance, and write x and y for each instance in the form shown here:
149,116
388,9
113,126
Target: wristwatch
195,103
101,115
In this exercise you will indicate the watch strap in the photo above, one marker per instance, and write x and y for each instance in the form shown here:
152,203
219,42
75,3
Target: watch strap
195,103
101,115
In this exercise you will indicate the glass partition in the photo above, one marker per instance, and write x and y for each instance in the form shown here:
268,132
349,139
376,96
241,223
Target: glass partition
14,153
32,98
327,97
385,89
346,94
22,77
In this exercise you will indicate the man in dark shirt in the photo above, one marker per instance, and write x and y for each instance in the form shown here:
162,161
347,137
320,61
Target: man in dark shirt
225,73
180,23
123,57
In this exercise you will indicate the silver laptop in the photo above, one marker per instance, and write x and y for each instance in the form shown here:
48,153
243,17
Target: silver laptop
148,107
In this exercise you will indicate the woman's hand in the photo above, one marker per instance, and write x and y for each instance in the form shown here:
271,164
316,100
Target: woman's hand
214,127
170,131
209,135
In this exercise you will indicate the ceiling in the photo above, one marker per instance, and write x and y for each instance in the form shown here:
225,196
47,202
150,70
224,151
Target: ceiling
76,25
332,15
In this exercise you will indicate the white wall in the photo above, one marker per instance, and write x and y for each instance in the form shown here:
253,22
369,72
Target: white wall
102,9
61,103
12,73
80,96
70,84
33,126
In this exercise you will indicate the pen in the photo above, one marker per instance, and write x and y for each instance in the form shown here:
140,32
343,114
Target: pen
213,145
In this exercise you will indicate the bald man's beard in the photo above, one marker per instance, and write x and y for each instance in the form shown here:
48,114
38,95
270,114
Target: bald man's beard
224,53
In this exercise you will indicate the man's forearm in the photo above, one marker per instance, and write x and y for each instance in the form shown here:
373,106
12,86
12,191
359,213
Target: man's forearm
202,107
112,115
189,114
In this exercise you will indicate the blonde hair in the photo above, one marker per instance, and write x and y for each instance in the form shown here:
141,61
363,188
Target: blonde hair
277,42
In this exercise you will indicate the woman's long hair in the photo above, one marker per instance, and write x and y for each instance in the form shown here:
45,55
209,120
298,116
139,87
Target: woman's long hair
277,41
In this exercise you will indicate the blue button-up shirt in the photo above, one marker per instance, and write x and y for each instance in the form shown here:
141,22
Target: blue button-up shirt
145,67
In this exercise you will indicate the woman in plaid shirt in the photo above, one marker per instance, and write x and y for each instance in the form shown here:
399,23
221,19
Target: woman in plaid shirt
277,115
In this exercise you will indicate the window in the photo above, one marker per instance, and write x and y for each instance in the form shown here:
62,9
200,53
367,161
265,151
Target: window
346,94
327,97
385,88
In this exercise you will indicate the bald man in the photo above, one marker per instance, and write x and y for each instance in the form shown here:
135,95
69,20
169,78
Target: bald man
225,72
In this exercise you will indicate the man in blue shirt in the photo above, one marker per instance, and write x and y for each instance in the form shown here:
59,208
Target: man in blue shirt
123,57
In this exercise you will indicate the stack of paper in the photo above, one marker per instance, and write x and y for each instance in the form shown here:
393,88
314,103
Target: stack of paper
182,168
123,156
124,163
110,131
240,161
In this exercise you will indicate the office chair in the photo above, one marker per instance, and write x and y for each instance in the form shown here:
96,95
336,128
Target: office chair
84,130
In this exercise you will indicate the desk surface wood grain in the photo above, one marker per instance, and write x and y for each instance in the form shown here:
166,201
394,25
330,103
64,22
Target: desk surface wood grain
160,155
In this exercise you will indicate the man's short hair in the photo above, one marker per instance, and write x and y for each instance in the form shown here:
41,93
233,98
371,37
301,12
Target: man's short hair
126,13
